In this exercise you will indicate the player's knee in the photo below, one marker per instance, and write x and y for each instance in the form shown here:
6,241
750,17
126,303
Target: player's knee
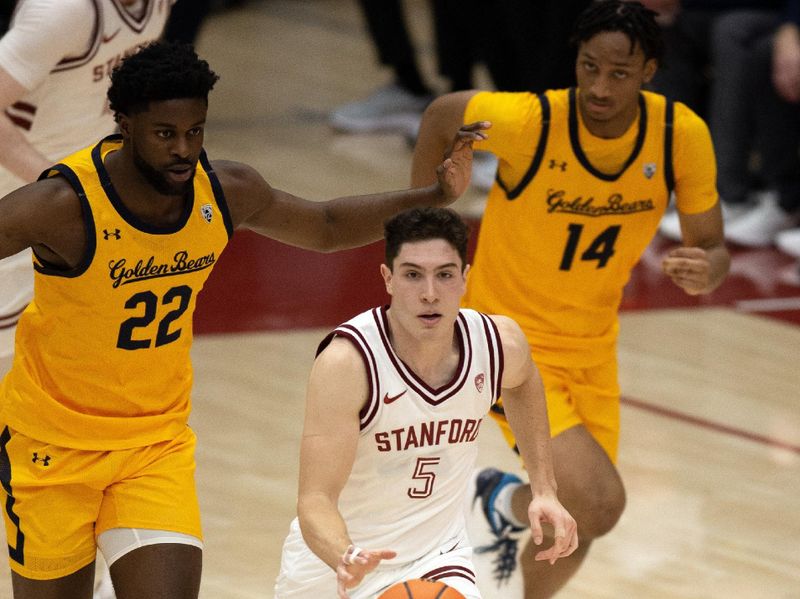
603,511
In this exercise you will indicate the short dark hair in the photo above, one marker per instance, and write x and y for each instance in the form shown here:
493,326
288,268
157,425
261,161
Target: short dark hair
631,18
422,224
159,71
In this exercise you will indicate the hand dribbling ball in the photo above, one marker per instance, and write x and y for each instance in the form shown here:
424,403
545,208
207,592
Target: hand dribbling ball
420,589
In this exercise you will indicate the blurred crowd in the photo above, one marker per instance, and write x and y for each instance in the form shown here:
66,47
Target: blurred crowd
734,62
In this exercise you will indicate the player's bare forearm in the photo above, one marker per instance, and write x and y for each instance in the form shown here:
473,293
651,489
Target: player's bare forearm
720,263
526,411
357,220
525,406
340,223
323,528
527,414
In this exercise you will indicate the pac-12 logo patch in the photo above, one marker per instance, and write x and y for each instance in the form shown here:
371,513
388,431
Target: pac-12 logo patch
649,169
479,381
207,211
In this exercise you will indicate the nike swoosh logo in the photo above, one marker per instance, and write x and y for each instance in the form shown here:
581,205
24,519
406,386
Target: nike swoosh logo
388,400
108,38
449,550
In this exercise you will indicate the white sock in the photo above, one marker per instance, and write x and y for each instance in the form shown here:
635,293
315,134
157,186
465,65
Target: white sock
502,504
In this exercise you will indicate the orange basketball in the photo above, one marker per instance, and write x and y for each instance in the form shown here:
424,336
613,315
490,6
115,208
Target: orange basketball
420,589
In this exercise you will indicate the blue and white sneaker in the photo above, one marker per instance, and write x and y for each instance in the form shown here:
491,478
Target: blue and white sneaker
506,534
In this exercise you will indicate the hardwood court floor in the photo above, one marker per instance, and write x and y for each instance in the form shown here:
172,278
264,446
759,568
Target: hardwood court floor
710,446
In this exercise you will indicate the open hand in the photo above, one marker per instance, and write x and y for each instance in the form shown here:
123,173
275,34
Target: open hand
355,564
454,173
548,509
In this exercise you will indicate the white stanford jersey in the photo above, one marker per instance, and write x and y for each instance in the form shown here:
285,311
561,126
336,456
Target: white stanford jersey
418,445
69,109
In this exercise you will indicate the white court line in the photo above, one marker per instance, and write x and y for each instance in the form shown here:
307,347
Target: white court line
776,304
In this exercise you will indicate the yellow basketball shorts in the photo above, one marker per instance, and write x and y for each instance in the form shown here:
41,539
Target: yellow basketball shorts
587,396
58,500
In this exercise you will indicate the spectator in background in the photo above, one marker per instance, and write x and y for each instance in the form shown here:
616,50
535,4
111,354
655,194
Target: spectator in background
186,20
398,106
774,85
721,59
523,43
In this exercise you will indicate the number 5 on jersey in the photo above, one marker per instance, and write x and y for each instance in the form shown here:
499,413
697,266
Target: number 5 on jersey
423,472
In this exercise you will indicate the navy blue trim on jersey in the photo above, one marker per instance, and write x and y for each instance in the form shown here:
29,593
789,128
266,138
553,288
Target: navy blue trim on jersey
16,553
41,265
219,194
513,194
120,207
669,120
576,144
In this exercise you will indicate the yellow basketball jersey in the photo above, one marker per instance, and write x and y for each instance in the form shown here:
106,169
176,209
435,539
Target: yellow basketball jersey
102,352
570,214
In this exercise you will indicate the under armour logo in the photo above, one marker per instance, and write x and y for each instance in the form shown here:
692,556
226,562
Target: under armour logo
556,163
45,460
109,234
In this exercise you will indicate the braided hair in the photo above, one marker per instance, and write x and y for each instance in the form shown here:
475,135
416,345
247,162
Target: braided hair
629,17
156,72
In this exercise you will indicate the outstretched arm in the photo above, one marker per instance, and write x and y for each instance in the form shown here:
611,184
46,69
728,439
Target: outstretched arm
337,389
525,408
441,119
346,222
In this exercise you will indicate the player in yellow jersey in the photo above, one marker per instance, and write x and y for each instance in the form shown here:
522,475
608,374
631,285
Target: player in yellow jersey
94,444
584,176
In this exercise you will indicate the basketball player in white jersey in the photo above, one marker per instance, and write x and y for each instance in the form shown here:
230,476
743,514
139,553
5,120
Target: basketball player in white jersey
54,66
394,407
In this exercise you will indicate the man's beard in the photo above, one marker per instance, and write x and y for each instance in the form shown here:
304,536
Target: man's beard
158,180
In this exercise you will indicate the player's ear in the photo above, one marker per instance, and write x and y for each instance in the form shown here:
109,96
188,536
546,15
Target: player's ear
124,125
386,273
650,68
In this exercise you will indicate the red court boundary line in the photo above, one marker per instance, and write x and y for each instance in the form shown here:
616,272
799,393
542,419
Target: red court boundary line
710,425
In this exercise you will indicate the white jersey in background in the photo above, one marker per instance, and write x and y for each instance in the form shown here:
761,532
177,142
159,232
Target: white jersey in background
415,456
62,51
